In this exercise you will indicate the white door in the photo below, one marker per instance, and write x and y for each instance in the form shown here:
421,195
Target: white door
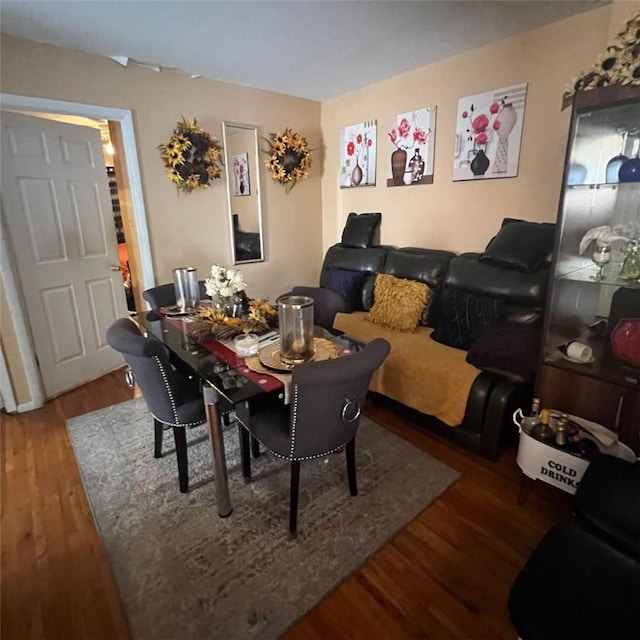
57,207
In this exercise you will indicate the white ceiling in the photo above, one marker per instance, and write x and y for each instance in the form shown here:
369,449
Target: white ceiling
311,49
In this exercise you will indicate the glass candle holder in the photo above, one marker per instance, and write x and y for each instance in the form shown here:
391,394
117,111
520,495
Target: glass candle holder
295,320
185,282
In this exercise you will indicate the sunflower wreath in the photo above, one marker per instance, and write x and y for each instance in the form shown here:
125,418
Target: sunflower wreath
289,157
191,156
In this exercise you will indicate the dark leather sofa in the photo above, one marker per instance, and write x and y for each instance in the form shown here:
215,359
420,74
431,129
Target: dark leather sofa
499,389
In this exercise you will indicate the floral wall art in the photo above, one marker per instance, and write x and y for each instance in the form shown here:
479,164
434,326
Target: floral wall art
358,155
488,134
240,166
411,146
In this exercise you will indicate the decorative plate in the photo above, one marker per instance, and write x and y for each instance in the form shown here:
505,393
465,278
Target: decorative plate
177,311
270,358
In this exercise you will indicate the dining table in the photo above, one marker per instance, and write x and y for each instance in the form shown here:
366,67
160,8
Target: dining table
228,383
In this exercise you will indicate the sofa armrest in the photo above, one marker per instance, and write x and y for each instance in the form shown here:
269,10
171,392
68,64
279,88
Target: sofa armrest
506,396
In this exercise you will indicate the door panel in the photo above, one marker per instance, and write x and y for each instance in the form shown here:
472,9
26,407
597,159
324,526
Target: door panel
57,205
39,203
60,306
89,219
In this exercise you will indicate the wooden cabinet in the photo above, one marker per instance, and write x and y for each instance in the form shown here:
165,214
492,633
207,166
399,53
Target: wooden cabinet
613,406
585,304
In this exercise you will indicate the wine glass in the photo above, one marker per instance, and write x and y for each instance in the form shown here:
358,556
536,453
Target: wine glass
601,255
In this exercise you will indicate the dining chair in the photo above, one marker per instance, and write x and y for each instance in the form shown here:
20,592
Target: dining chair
323,417
170,397
164,295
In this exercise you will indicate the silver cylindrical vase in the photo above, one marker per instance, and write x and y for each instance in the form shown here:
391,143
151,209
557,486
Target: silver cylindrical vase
185,282
295,320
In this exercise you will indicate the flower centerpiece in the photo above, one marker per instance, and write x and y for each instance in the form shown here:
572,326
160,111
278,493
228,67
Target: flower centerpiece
289,158
192,157
224,282
232,312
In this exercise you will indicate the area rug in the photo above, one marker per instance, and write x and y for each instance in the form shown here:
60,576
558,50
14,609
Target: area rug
184,572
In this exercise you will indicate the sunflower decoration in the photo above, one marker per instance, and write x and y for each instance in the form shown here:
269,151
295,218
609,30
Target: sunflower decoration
619,64
289,158
211,323
191,156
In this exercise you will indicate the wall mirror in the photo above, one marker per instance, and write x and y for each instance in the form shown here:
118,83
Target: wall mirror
243,192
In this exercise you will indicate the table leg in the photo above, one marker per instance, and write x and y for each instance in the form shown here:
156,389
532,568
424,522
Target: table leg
217,449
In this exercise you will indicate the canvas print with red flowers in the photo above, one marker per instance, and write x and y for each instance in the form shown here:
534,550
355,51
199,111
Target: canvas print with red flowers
358,155
488,134
411,138
240,167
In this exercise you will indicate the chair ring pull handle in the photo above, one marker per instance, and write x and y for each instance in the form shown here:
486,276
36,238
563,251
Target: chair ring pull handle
348,404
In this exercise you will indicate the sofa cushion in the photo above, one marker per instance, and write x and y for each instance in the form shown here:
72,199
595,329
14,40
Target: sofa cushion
521,245
398,302
348,285
511,350
464,317
359,229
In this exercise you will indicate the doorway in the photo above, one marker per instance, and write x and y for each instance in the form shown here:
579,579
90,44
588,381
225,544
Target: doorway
142,277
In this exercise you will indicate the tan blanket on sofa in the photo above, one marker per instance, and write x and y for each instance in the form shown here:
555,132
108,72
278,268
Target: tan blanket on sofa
419,372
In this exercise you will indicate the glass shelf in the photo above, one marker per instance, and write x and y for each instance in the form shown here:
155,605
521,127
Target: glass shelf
585,274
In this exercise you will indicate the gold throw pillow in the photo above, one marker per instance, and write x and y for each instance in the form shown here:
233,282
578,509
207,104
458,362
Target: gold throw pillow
398,303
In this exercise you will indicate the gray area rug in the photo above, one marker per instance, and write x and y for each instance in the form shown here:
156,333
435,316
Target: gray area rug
183,572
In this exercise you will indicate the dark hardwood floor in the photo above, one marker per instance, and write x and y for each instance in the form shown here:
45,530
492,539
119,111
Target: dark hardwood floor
446,575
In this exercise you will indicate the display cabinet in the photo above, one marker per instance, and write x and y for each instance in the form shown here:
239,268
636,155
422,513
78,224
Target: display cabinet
595,280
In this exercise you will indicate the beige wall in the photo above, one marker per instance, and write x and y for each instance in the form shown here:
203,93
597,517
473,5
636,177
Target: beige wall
189,228
463,216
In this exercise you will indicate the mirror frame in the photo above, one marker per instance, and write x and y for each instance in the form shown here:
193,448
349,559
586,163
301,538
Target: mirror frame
254,175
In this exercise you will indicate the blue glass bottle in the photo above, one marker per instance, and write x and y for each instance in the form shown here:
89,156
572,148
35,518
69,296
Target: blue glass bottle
613,166
630,170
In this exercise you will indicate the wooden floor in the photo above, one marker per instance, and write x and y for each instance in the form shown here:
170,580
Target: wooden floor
446,575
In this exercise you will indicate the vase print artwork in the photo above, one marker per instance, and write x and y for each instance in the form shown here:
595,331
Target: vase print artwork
398,163
508,119
480,163
488,134
356,175
358,155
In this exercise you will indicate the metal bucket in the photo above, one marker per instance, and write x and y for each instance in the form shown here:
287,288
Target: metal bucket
185,282
295,319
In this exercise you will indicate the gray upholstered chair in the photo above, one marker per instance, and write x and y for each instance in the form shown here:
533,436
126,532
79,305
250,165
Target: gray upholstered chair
170,396
326,304
324,415
164,295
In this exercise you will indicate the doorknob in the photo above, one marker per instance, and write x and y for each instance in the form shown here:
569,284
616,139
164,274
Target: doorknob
116,267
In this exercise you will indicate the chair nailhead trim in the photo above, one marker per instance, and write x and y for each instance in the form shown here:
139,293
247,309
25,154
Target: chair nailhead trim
290,457
170,394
